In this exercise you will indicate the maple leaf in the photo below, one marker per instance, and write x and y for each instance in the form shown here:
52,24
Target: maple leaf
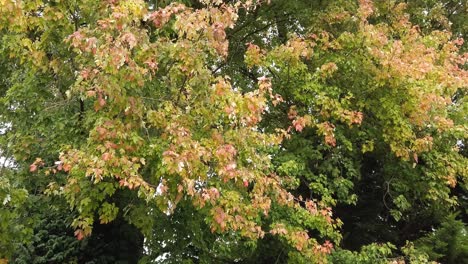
300,123
32,167
231,166
130,39
106,156
66,167
292,113
79,234
219,216
218,32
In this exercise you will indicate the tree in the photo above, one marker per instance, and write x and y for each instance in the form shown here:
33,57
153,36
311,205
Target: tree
11,211
448,243
196,135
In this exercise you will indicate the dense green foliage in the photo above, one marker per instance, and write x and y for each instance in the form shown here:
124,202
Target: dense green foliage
210,131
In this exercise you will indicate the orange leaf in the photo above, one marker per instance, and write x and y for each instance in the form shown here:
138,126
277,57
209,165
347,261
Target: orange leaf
66,167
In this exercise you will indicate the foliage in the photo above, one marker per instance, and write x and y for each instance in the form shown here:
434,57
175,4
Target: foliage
232,131
448,243
372,253
11,211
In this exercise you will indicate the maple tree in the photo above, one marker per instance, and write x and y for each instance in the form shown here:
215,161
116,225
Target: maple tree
189,131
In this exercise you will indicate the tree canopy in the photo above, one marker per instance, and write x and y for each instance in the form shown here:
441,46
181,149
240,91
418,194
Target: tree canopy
220,131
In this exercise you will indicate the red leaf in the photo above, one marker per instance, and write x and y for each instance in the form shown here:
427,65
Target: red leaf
106,156
79,234
299,124
32,167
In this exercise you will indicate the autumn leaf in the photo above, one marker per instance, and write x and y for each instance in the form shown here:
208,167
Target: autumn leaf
32,167
79,234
